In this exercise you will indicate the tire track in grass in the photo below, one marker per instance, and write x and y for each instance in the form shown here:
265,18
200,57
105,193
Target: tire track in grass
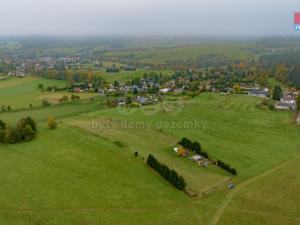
226,201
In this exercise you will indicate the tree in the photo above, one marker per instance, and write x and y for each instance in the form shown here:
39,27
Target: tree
41,86
2,129
90,77
196,147
277,93
52,124
11,135
2,136
281,72
2,125
24,131
237,88
185,142
70,77
28,133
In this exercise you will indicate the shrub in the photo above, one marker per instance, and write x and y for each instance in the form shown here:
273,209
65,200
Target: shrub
135,104
45,103
52,124
41,86
64,98
75,97
3,108
271,106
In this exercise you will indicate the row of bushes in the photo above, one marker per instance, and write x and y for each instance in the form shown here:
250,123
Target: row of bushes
194,146
65,98
226,167
170,175
25,130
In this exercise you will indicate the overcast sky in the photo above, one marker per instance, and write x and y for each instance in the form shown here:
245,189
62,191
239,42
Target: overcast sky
148,17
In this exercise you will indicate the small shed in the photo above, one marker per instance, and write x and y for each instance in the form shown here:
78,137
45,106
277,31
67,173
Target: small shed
196,158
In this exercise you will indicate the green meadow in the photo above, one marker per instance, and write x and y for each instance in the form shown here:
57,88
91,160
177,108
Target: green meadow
269,200
85,172
234,51
19,93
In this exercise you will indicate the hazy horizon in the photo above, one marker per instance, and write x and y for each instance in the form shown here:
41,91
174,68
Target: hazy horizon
148,18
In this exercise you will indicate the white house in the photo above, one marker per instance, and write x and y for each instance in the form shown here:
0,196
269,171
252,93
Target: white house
288,100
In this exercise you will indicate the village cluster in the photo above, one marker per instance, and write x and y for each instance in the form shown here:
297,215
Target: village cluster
233,79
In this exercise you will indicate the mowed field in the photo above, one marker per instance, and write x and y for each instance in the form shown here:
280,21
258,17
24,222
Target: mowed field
21,92
85,172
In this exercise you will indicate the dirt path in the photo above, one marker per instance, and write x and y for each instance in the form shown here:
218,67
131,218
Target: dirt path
229,196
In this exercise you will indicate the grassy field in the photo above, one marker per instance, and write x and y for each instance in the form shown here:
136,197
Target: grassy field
271,200
230,51
68,177
128,75
20,92
231,128
85,172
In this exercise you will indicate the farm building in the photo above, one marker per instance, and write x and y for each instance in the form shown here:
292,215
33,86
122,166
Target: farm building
285,106
196,158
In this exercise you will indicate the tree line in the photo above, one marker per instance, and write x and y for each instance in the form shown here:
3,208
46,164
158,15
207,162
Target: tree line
170,175
25,130
196,148
226,167
193,146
